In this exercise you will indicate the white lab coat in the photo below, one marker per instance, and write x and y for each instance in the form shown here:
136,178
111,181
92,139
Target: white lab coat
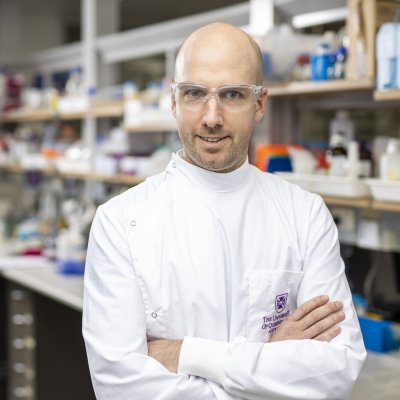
220,260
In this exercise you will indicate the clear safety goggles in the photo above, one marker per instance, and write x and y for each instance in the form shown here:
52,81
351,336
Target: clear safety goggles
194,97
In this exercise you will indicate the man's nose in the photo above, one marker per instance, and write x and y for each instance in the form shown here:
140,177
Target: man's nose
212,115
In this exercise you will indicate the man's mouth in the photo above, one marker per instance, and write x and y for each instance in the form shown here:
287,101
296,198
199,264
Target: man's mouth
212,139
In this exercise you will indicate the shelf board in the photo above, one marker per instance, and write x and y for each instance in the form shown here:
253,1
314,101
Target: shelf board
117,179
386,206
163,126
91,176
115,109
12,167
28,115
386,95
315,87
112,109
363,202
106,110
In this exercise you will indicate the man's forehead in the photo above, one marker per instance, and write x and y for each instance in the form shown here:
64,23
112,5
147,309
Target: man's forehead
219,52
211,60
212,76
218,44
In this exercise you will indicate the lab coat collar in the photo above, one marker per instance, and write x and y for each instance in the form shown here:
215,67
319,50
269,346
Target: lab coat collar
208,180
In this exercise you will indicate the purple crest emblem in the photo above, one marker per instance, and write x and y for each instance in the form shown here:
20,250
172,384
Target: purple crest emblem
280,302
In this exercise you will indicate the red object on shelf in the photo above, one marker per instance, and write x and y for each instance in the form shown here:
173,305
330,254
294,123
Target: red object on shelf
13,90
33,252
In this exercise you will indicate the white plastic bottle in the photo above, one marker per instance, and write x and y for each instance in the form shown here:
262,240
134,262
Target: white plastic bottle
387,56
342,125
390,161
353,160
132,104
73,86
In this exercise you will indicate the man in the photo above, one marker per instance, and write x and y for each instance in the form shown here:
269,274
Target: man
212,280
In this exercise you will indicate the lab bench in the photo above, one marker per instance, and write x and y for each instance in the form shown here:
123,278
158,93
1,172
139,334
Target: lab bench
42,343
44,310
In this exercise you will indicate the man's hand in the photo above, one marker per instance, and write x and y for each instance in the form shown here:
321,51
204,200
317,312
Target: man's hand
166,352
315,319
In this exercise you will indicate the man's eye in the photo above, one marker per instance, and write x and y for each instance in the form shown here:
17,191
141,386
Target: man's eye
194,93
232,95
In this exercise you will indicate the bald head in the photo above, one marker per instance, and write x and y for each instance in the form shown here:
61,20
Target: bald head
219,47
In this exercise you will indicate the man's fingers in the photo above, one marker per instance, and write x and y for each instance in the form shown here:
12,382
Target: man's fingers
324,325
320,313
309,306
329,334
317,318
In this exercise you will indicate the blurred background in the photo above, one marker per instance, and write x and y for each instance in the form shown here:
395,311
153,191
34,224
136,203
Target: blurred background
85,114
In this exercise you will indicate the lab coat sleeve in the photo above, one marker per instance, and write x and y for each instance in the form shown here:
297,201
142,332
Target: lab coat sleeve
114,326
292,369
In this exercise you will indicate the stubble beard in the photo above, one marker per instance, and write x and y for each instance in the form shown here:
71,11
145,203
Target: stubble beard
232,159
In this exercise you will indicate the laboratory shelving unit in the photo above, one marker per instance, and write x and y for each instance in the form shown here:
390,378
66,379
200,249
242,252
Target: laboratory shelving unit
54,301
50,362
323,87
121,179
131,180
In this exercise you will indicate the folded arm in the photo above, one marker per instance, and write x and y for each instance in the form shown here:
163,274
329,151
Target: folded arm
316,319
306,357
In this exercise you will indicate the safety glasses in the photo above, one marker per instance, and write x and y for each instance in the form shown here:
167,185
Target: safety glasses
194,97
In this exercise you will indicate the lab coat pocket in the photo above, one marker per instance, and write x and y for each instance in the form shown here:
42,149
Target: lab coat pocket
272,298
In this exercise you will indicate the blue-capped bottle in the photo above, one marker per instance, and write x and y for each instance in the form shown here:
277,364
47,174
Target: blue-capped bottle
322,63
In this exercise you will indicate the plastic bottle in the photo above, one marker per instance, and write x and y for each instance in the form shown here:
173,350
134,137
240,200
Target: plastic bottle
73,86
387,56
366,160
342,125
390,161
151,95
71,243
301,71
336,155
321,63
132,103
130,91
353,160
71,252
339,68
49,213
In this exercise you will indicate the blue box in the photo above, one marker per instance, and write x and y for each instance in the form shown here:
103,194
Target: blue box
377,334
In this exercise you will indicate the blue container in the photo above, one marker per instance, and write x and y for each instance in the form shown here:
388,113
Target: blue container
377,334
321,63
279,163
71,267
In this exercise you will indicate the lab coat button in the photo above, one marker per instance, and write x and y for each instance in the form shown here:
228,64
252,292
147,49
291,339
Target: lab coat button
154,314
173,165
133,223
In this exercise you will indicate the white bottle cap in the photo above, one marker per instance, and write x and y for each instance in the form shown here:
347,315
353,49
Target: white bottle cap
393,146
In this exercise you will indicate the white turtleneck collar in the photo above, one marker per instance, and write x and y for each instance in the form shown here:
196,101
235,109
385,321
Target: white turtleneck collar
208,180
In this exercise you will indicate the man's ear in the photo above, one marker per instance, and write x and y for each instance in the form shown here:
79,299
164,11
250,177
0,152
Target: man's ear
173,105
261,104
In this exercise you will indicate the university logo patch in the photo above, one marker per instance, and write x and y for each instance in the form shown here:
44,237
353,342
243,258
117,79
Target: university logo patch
280,302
